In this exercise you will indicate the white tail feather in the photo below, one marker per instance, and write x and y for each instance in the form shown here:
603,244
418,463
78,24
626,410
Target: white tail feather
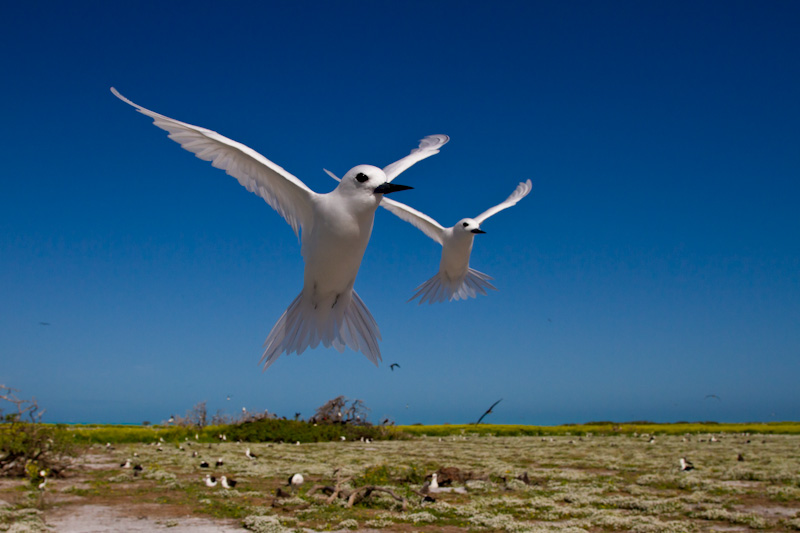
441,288
303,326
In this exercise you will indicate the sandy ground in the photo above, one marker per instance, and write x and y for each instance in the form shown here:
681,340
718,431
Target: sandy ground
105,519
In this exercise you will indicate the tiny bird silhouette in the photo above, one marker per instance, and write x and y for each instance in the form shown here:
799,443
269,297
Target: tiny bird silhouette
488,411
391,367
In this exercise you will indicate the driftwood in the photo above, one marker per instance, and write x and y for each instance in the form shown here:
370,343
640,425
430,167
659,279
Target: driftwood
365,491
353,496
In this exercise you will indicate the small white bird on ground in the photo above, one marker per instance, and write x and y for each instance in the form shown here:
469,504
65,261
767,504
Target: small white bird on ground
455,279
434,482
336,228
227,483
686,465
249,454
210,480
295,480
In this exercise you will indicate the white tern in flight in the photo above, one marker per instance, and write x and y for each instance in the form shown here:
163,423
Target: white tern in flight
336,228
455,279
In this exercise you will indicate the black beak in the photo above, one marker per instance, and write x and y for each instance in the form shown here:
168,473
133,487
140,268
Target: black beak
478,231
388,188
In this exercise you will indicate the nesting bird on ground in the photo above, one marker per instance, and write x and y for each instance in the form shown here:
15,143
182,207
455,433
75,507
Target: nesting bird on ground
126,464
210,480
336,228
455,279
227,483
219,462
686,465
204,464
434,482
295,480
249,454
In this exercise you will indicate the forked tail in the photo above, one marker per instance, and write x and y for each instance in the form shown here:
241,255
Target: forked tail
303,326
441,288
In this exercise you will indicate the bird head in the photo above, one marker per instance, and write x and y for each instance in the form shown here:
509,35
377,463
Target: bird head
468,225
366,179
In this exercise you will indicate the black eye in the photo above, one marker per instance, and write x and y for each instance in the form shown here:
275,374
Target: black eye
465,224
361,177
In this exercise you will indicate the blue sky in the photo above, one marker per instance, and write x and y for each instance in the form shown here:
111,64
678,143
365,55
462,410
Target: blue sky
656,261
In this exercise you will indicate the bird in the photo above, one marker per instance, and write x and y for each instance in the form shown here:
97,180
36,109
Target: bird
334,230
204,464
126,464
210,480
434,483
488,411
218,463
227,483
295,480
249,454
686,465
712,396
391,367
455,279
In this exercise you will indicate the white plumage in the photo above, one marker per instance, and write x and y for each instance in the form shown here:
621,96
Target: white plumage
336,228
455,279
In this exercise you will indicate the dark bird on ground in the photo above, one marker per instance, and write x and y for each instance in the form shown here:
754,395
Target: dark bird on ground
740,457
204,464
219,462
391,367
488,411
138,467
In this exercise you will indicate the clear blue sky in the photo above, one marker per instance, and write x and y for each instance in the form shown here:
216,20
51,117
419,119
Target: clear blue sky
656,261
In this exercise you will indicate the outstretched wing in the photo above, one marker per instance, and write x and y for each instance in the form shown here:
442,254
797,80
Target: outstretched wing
489,410
427,147
286,194
423,222
519,193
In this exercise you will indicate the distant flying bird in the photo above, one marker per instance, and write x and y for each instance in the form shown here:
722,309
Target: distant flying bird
210,480
391,367
686,465
455,279
336,228
713,396
488,411
227,483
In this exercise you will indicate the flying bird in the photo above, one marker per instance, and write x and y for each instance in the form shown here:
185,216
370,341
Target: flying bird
488,411
391,367
712,396
334,230
455,279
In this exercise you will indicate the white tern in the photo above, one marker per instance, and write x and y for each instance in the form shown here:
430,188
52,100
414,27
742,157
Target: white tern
334,230
455,279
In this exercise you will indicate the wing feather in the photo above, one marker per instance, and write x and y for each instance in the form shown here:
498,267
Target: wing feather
427,147
421,221
519,193
285,193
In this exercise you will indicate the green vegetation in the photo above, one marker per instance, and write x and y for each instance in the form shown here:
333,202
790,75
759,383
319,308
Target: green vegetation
603,428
